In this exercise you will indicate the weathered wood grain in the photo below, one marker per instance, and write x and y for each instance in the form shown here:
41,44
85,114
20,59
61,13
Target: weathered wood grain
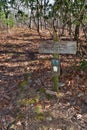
62,47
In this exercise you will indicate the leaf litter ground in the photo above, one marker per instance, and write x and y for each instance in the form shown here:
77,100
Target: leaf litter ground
24,77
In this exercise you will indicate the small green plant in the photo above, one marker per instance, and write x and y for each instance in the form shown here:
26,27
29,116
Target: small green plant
27,76
40,117
38,109
49,96
83,65
22,85
42,90
28,101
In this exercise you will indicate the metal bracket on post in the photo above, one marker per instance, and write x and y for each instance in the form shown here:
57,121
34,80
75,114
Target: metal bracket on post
56,66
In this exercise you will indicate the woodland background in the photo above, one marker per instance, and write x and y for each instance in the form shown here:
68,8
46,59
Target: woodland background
25,74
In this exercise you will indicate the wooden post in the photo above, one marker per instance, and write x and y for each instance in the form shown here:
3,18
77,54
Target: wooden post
55,83
56,48
55,56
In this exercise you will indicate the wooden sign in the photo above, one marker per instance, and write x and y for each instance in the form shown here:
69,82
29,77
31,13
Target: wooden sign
63,47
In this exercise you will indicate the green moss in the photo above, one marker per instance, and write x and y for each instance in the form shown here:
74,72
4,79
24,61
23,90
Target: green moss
38,109
42,90
40,117
22,85
28,101
55,81
55,56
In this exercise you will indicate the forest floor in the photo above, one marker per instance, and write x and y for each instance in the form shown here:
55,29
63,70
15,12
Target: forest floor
24,77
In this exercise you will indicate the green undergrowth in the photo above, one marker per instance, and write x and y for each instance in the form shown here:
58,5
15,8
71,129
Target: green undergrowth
28,101
22,85
82,65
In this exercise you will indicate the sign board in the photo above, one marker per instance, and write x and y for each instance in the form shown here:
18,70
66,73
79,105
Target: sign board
62,47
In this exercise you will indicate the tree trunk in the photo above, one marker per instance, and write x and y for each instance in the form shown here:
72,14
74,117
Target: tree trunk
76,35
38,20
